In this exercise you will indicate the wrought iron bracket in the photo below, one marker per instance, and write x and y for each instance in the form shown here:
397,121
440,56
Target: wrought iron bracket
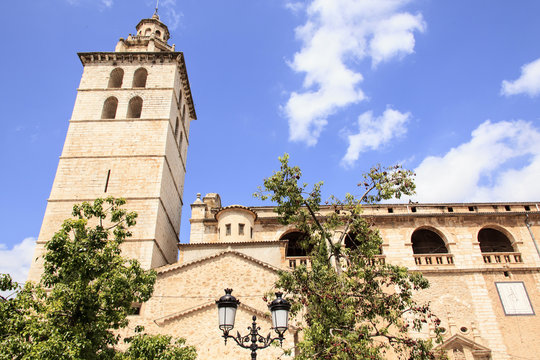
254,341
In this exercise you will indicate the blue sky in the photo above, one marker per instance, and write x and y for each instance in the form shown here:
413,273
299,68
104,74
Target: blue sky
450,89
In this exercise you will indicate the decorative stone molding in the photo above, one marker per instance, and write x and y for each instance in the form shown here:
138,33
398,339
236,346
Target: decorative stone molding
461,342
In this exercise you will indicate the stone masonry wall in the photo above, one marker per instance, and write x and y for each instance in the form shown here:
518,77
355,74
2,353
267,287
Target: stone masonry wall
137,159
183,305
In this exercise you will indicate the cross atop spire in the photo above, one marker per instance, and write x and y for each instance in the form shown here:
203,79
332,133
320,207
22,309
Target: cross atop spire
156,16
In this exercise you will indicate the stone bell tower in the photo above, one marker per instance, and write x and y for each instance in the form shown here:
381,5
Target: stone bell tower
128,137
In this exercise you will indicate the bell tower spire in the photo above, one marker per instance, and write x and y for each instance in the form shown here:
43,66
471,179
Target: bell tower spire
128,137
152,36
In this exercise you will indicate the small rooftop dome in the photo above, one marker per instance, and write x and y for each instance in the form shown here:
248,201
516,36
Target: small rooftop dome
235,223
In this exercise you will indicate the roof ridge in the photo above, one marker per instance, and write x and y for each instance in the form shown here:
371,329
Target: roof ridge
172,267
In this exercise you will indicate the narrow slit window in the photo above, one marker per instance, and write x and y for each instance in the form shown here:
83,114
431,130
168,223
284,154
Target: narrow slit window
184,115
250,232
107,181
241,229
176,127
227,229
179,98
450,209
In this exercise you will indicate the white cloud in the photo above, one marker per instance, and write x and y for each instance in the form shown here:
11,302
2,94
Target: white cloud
295,6
170,16
375,132
107,3
339,33
484,169
16,261
528,83
394,37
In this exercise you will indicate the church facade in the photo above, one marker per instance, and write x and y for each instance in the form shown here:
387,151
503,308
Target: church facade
128,137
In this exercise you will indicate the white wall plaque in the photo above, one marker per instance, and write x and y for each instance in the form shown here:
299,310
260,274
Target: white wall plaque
514,298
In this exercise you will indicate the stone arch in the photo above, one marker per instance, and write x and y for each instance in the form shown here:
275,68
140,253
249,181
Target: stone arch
116,78
147,32
427,240
109,108
158,33
295,239
139,78
351,242
135,108
495,239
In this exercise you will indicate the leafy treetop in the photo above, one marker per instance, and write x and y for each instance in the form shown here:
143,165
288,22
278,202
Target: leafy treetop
352,304
86,290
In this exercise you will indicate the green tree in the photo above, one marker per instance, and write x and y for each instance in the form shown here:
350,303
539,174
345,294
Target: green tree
86,290
353,305
156,347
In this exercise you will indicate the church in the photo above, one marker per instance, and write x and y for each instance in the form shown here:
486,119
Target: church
129,136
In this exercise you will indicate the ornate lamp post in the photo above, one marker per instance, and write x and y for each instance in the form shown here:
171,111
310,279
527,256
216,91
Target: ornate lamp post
279,308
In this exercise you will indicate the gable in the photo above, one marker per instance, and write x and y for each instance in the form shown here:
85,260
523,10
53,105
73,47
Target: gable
459,341
182,266
180,288
251,311
199,326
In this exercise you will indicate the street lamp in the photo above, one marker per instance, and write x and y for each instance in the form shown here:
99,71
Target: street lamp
279,308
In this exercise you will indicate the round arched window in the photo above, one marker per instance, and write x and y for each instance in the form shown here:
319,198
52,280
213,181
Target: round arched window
135,108
353,242
492,240
297,244
425,241
109,108
139,78
116,78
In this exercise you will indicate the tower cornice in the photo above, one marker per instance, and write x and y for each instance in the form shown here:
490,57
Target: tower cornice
115,58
